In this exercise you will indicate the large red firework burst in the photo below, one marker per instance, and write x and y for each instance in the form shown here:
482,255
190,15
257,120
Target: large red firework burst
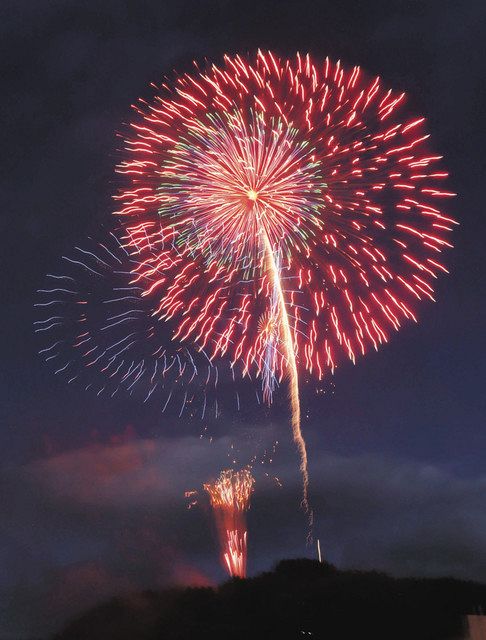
313,167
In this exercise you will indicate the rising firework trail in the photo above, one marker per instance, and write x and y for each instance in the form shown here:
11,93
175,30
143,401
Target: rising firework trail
291,211
285,338
230,497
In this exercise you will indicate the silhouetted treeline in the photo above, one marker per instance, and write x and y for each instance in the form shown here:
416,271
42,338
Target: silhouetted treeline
299,599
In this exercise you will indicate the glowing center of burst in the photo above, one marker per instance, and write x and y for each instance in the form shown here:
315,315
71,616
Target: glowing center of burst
235,175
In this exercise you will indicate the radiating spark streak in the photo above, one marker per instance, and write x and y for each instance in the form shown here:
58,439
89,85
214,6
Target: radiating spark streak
50,275
204,407
183,405
81,264
167,402
150,392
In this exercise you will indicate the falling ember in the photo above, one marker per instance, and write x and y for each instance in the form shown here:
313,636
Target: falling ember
230,497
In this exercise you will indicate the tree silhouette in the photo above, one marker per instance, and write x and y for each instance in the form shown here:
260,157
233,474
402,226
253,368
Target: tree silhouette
299,599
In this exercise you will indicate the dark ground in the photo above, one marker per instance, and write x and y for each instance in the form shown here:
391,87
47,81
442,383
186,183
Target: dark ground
300,598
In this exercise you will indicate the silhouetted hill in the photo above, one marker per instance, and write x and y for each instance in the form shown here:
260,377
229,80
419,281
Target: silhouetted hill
299,599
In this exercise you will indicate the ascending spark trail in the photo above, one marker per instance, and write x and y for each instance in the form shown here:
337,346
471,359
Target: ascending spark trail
289,354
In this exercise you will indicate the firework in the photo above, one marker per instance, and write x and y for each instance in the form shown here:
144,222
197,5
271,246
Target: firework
314,164
97,331
292,212
230,497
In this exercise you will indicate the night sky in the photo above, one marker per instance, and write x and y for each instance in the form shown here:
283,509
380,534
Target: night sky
92,490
